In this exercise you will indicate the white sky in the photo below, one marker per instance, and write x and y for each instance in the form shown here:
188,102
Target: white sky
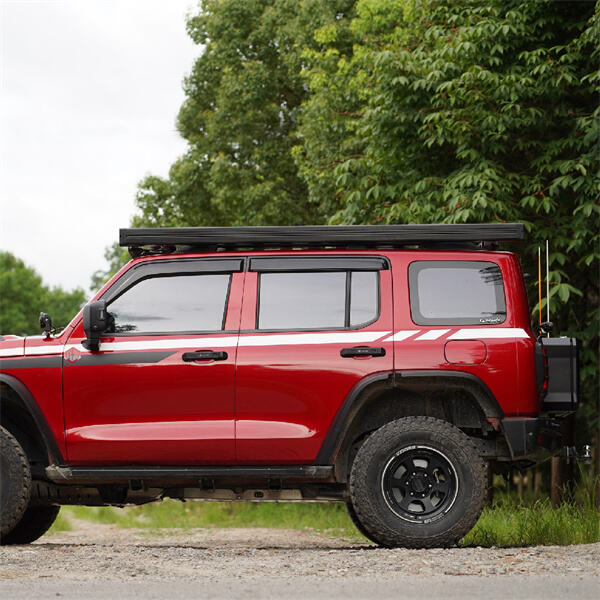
89,93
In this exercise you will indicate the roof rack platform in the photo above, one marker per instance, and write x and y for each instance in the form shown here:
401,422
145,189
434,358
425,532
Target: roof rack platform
320,235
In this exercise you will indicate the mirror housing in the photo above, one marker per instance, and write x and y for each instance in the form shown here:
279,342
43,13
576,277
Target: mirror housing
95,323
46,324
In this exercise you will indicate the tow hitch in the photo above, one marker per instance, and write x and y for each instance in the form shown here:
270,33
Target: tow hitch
569,452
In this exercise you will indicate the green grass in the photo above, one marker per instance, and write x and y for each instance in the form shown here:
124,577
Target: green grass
61,524
329,518
507,523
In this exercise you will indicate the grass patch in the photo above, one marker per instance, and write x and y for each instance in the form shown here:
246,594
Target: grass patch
513,524
329,518
61,524
507,523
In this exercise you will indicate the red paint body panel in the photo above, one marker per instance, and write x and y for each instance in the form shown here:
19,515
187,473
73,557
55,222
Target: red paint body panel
269,402
465,352
288,395
165,412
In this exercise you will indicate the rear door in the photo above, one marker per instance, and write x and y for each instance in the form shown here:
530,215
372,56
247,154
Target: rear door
161,388
312,328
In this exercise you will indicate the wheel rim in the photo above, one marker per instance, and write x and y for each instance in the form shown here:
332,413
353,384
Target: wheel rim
419,484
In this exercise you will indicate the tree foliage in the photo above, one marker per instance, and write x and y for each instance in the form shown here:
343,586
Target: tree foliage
23,296
240,117
469,112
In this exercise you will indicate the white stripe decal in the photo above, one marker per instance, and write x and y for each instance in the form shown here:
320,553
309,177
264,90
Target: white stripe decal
344,337
432,334
401,335
12,351
311,338
37,350
488,333
207,342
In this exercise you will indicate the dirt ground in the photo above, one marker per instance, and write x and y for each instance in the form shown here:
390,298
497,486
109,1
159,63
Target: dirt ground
103,561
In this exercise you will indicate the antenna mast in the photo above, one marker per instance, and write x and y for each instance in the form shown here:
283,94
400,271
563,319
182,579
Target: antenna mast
547,286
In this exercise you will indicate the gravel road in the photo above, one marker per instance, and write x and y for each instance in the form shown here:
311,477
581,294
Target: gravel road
102,561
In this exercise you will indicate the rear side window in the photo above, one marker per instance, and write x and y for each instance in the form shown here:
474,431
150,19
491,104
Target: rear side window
175,304
456,293
313,300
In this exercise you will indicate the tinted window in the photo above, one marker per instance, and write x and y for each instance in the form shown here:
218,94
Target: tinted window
313,300
172,304
364,297
456,293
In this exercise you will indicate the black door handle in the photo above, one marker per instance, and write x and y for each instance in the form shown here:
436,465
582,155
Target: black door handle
204,355
361,351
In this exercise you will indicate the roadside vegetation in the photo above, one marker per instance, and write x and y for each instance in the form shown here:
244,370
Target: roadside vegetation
509,521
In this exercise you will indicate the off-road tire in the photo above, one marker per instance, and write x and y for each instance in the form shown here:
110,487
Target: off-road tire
382,517
33,524
356,521
15,482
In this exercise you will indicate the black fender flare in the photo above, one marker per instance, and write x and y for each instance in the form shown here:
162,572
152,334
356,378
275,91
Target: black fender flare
31,406
402,380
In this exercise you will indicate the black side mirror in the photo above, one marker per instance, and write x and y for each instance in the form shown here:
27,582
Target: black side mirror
95,323
46,324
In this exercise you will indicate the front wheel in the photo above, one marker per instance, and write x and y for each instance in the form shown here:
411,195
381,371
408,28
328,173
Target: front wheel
15,482
33,524
418,482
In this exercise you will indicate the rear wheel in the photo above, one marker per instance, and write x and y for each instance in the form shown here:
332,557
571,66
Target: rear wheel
15,482
418,482
33,524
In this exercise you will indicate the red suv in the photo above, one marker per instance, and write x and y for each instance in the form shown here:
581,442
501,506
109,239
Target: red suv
392,368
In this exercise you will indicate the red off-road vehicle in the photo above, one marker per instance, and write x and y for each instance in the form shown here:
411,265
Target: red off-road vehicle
387,367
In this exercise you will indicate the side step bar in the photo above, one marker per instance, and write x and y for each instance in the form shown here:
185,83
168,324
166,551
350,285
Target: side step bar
175,474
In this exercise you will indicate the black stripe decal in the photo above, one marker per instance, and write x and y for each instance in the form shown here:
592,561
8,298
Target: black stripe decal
31,362
119,358
86,360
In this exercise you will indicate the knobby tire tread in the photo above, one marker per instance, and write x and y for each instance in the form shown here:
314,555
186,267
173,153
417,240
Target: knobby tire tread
362,499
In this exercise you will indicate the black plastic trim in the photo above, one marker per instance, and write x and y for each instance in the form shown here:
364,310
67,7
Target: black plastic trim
407,380
179,473
54,453
320,235
532,438
291,264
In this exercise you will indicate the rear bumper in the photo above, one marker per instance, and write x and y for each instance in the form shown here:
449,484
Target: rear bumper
532,438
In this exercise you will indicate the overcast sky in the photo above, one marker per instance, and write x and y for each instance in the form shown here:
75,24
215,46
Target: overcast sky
89,93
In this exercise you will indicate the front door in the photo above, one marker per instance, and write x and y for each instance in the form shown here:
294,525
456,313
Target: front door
161,389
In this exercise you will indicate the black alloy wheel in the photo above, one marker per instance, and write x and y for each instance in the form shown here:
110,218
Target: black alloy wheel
419,484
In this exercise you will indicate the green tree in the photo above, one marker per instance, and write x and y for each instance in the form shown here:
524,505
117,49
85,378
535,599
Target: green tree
240,117
469,112
23,296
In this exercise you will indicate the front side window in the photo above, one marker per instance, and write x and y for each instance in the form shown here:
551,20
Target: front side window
456,293
174,304
318,300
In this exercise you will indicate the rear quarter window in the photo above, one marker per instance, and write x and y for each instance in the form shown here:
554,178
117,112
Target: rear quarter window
456,293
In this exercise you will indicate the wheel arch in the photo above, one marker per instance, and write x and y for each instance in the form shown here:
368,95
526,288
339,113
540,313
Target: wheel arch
21,415
460,398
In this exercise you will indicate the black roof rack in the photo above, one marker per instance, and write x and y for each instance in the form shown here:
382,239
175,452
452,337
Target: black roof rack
216,238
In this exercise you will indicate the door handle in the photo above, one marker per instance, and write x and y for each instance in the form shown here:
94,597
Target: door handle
204,355
361,351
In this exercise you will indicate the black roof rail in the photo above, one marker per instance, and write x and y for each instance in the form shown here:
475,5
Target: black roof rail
166,239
